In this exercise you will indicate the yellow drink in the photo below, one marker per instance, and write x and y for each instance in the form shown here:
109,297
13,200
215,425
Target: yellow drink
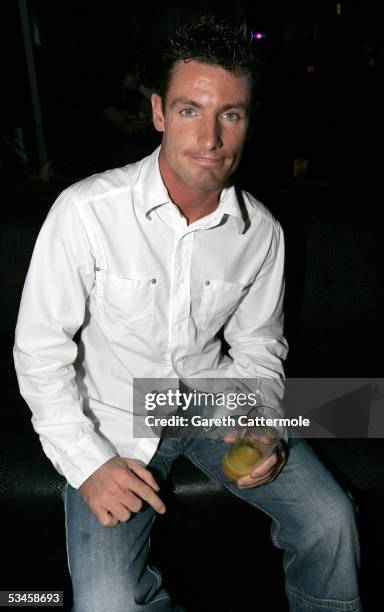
239,460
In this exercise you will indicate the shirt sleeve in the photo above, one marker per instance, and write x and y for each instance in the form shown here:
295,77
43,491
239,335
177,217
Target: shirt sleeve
255,332
52,309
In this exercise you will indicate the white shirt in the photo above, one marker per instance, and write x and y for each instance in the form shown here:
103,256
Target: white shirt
116,257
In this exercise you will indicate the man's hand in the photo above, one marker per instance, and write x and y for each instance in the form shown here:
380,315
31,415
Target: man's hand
265,471
118,488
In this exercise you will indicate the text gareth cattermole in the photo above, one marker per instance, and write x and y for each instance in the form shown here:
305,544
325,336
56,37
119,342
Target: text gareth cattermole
227,421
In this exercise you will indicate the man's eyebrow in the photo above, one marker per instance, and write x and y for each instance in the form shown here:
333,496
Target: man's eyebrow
187,101
224,107
243,105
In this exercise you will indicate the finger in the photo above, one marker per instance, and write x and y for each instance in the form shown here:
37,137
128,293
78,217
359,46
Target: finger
249,481
119,511
144,491
264,466
277,451
105,518
229,439
231,435
131,501
143,473
265,442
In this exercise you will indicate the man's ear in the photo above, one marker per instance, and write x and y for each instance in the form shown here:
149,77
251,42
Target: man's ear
157,112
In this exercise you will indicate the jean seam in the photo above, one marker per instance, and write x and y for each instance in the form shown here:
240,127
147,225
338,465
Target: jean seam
165,596
352,605
274,531
158,578
275,528
159,581
66,526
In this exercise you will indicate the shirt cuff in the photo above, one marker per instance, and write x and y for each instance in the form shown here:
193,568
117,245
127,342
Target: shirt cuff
83,458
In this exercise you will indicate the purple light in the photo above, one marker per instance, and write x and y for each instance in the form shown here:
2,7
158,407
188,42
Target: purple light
258,35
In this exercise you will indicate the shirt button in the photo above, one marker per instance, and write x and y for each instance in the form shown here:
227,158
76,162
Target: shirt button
153,281
207,282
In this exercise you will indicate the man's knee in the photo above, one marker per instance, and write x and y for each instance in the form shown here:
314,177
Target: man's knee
118,590
101,593
335,523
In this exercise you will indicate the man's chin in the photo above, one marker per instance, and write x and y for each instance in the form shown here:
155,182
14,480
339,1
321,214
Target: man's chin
211,183
209,186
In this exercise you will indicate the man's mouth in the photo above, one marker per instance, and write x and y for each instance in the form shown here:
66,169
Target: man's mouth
205,160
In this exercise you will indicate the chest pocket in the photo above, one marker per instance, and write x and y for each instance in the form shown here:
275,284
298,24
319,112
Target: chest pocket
128,302
219,301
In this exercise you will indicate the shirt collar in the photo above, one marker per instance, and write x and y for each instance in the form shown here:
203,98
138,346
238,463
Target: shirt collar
154,193
150,184
232,203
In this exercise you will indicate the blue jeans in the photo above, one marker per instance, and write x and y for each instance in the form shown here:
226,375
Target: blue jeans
313,522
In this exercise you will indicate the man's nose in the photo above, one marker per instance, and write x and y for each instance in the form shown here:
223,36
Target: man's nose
210,134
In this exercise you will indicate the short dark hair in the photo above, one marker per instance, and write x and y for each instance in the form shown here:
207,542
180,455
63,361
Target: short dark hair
211,41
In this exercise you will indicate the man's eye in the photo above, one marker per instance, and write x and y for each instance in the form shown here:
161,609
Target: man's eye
232,116
187,112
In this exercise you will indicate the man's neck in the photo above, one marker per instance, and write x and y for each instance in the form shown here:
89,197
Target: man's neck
192,203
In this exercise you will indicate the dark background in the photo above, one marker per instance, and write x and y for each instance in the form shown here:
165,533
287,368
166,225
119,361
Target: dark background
321,95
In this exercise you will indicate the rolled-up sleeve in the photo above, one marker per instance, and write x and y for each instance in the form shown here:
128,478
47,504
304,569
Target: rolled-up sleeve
52,309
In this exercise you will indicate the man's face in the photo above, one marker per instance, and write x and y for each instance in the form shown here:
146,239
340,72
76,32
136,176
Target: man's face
204,124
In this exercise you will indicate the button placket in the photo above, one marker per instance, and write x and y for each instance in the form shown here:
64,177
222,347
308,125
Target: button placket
180,295
206,301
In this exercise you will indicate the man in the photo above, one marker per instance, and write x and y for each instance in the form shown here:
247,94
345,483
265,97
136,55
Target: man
151,260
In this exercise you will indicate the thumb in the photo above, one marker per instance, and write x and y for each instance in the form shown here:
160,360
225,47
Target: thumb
231,435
